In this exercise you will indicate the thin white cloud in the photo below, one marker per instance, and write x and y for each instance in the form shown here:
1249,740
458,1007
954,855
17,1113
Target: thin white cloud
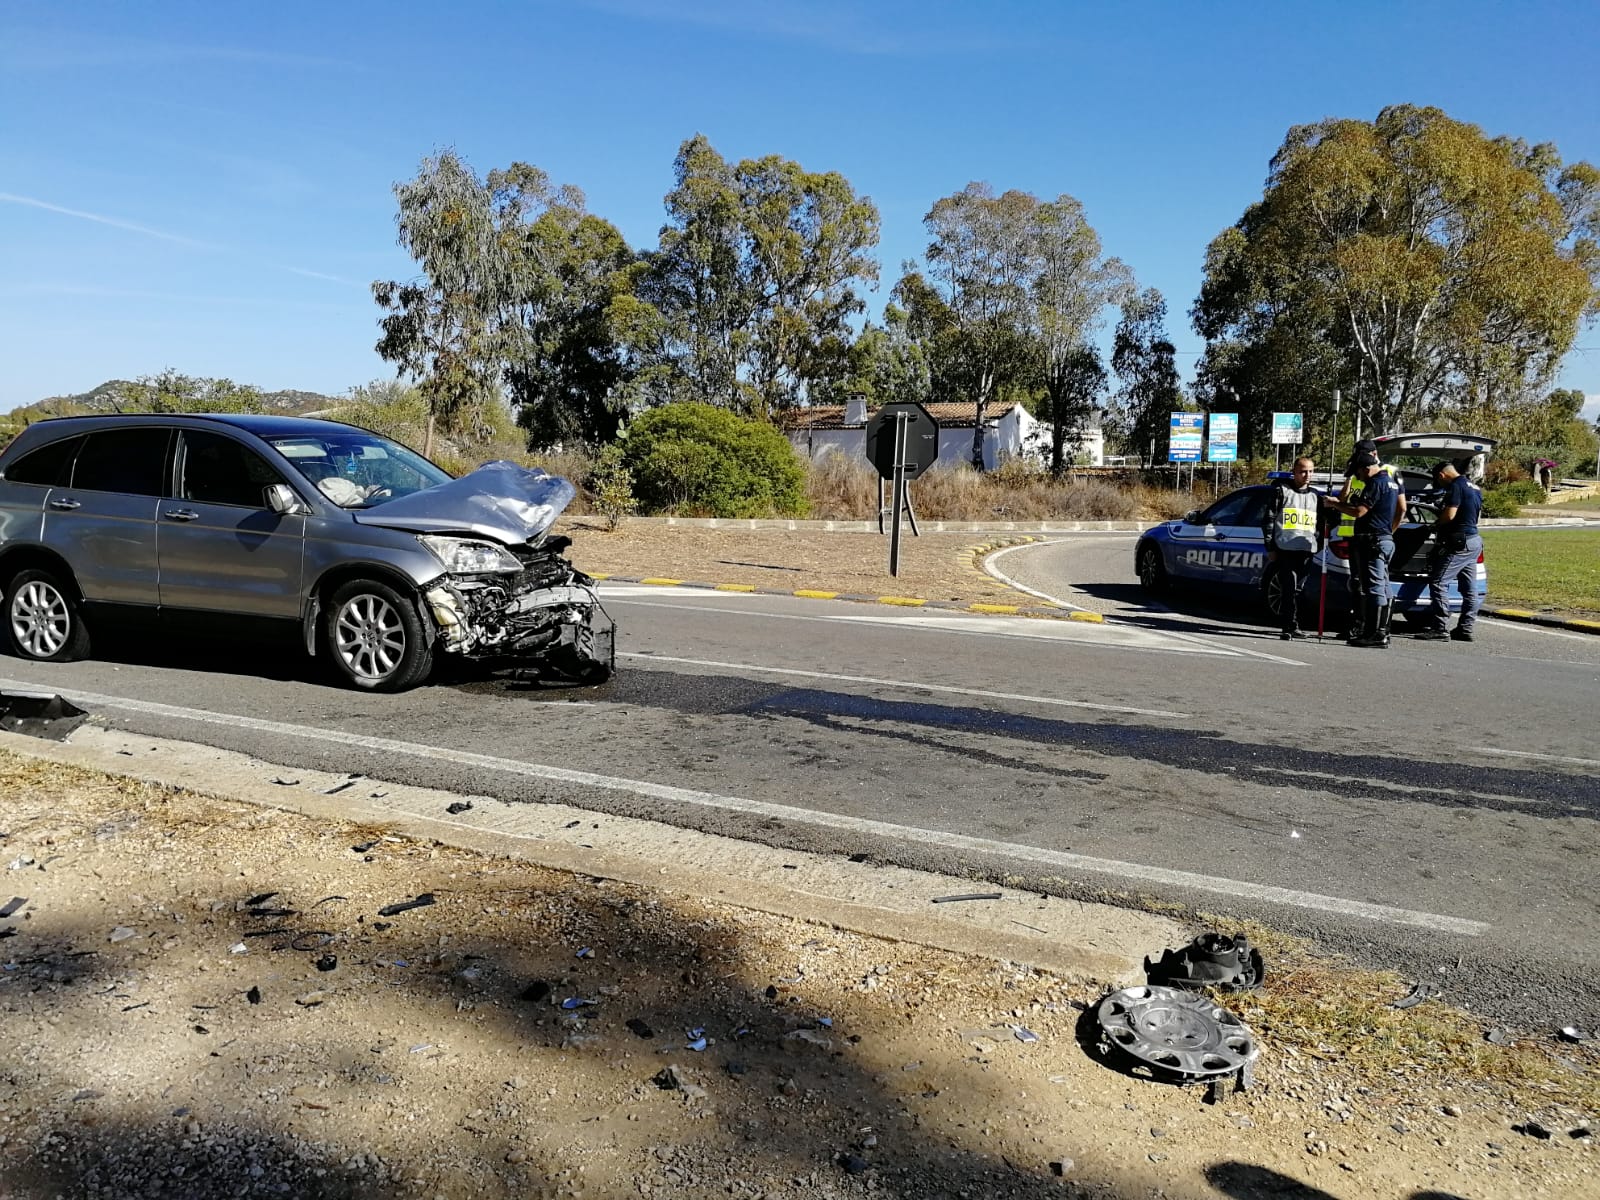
26,51
324,275
163,235
846,28
99,219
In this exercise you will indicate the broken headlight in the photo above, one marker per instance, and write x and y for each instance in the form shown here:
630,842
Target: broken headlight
469,556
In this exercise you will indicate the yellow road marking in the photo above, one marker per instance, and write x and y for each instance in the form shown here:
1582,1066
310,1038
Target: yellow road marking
662,582
736,587
813,594
904,601
993,608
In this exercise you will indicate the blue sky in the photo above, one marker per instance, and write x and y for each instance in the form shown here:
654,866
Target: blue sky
208,186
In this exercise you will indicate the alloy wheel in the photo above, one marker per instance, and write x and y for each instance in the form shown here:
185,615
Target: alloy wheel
41,623
369,637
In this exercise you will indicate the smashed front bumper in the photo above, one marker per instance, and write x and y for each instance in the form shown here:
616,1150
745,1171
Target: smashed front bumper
549,620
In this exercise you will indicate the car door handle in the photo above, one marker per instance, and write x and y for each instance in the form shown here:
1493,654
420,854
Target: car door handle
66,504
180,514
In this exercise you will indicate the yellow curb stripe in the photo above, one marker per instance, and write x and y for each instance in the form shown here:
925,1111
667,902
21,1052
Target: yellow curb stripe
1585,624
736,587
662,582
1092,617
903,601
813,594
599,575
1517,612
994,608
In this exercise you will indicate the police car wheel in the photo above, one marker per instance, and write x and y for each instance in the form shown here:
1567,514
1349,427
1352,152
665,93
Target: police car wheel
1272,591
1152,571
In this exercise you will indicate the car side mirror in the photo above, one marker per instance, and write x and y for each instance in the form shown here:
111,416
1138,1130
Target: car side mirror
1190,517
282,500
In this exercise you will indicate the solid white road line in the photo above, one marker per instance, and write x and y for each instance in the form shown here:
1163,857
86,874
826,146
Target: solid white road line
997,573
1056,859
1560,758
909,685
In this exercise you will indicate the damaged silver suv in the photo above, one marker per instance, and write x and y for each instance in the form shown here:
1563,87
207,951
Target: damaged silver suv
369,553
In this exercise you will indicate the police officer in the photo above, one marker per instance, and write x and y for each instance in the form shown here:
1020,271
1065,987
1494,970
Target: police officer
1290,527
1376,508
1454,557
1354,482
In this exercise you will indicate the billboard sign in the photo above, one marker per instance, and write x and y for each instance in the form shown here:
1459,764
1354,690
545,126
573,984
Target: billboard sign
1224,444
1288,429
1187,436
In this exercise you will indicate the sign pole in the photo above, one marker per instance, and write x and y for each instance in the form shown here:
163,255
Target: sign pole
899,491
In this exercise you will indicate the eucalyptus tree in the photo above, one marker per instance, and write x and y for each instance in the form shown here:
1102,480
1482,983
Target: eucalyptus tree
1147,374
981,266
756,276
1441,269
1074,282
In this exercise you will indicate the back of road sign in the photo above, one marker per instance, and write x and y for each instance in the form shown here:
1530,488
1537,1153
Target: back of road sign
921,442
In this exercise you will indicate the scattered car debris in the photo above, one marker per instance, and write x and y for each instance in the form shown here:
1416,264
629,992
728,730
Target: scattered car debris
1419,993
640,1028
122,933
327,962
328,900
1024,1035
966,896
1216,960
699,1043
1175,1034
12,906
339,787
1534,1129
422,901
540,990
312,998
238,948
39,714
87,1094
576,1002
253,995
132,1007
259,898
1567,1033
669,1078
311,939
854,1164
1497,1037
586,952
363,847
458,807
22,860
282,782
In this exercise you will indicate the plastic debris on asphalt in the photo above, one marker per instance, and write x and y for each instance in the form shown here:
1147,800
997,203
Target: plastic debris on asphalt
572,1002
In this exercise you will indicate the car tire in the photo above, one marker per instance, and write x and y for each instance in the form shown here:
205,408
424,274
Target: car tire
1272,591
374,638
1152,570
44,621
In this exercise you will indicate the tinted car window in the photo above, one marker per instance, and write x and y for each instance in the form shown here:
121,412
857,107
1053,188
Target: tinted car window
219,470
1234,509
130,461
47,465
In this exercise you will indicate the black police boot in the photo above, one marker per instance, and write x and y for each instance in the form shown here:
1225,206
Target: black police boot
1373,614
1358,625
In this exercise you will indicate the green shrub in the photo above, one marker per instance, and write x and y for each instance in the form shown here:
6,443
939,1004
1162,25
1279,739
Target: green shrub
611,485
1524,491
698,460
1499,502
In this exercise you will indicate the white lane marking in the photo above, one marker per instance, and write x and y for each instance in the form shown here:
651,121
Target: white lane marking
1560,758
1115,637
1057,859
908,685
996,572
1509,623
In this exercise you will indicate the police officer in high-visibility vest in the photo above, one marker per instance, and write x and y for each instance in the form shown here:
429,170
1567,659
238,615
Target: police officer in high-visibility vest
1376,509
1290,527
1354,481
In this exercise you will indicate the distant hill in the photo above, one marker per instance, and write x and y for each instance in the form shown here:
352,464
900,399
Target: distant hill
103,398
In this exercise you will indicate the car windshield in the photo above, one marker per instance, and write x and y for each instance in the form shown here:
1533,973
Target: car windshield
356,469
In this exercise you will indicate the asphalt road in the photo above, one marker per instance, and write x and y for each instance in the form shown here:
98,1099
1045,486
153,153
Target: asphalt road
1433,808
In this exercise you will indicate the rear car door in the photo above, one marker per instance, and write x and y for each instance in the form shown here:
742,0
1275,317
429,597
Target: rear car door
222,549
103,521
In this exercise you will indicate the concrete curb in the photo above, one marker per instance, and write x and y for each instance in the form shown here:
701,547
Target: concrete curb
1522,615
1082,940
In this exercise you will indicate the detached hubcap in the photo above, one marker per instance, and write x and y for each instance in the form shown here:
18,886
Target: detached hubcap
369,637
39,619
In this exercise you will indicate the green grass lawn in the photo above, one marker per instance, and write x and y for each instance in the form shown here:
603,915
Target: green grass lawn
1544,568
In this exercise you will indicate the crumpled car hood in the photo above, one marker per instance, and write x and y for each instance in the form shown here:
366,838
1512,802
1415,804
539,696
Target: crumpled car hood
500,500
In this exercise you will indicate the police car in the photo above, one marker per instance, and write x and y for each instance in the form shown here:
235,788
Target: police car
1220,547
